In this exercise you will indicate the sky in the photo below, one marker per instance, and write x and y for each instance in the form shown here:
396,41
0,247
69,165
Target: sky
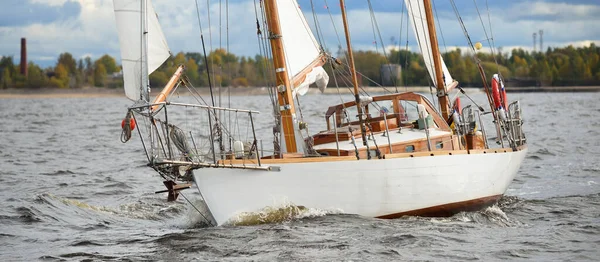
87,27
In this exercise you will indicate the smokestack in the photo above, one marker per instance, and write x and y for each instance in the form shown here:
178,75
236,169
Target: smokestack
541,40
24,57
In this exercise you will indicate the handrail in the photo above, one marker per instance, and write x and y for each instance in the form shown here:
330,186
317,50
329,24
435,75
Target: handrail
196,105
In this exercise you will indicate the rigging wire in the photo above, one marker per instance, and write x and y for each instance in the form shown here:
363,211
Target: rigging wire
218,127
462,24
347,118
373,26
481,72
344,65
440,26
405,69
423,26
490,25
429,54
264,45
334,28
345,68
400,35
204,51
486,34
190,202
220,23
319,47
196,95
317,25
406,52
212,64
376,28
228,67
220,79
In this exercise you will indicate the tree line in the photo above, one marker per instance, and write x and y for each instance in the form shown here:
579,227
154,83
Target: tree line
555,67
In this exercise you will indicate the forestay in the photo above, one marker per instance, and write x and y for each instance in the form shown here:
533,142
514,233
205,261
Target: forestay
129,16
300,47
416,12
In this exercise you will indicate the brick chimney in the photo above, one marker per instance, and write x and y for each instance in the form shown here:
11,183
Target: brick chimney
24,57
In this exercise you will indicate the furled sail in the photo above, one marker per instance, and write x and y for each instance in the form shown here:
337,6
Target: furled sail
129,15
302,51
416,11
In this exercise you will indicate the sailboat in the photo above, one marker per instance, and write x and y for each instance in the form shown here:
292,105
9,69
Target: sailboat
383,156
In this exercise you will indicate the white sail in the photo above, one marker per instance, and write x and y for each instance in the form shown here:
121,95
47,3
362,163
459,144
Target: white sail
129,16
317,76
416,12
300,46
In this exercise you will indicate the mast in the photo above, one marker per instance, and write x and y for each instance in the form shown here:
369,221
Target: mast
437,62
284,91
144,85
363,130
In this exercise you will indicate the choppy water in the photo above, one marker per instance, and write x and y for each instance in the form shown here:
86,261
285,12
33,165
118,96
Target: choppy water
71,190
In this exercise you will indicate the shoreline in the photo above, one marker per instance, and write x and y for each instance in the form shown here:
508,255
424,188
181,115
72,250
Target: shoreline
553,89
91,92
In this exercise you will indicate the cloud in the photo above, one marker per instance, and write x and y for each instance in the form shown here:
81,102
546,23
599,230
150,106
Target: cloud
514,25
91,31
87,27
23,13
179,21
544,11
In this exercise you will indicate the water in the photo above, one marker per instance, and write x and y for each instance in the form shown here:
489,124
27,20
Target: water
71,190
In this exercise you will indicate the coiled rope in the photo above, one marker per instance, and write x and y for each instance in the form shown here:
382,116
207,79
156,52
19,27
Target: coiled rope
127,128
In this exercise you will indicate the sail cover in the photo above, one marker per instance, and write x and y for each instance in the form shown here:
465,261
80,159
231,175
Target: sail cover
416,12
128,14
300,47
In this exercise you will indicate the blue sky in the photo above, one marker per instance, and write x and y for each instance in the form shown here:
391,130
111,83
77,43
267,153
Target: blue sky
87,27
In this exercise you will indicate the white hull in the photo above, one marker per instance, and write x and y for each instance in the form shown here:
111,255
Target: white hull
373,188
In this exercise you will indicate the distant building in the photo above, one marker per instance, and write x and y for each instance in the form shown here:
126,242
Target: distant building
117,75
390,74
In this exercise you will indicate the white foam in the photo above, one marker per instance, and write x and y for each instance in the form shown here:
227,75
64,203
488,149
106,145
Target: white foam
278,214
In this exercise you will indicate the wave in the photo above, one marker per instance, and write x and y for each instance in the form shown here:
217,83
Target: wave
93,256
145,208
545,151
27,215
283,213
492,215
62,173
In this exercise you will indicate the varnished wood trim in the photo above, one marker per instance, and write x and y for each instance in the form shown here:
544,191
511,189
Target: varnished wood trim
297,158
281,76
491,150
426,153
447,210
451,86
301,76
286,160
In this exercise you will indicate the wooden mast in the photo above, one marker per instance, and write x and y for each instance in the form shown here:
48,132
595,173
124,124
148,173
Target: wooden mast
284,91
363,130
437,62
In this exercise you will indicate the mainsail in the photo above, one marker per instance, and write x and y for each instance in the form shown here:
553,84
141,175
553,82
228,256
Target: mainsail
302,51
416,12
130,16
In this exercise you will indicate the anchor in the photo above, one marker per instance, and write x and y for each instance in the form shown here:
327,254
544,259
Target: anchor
173,189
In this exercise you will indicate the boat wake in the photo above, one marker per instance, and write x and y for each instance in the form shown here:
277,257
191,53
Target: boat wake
143,208
493,215
284,213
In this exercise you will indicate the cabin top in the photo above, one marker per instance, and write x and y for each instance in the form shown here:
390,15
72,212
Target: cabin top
401,108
